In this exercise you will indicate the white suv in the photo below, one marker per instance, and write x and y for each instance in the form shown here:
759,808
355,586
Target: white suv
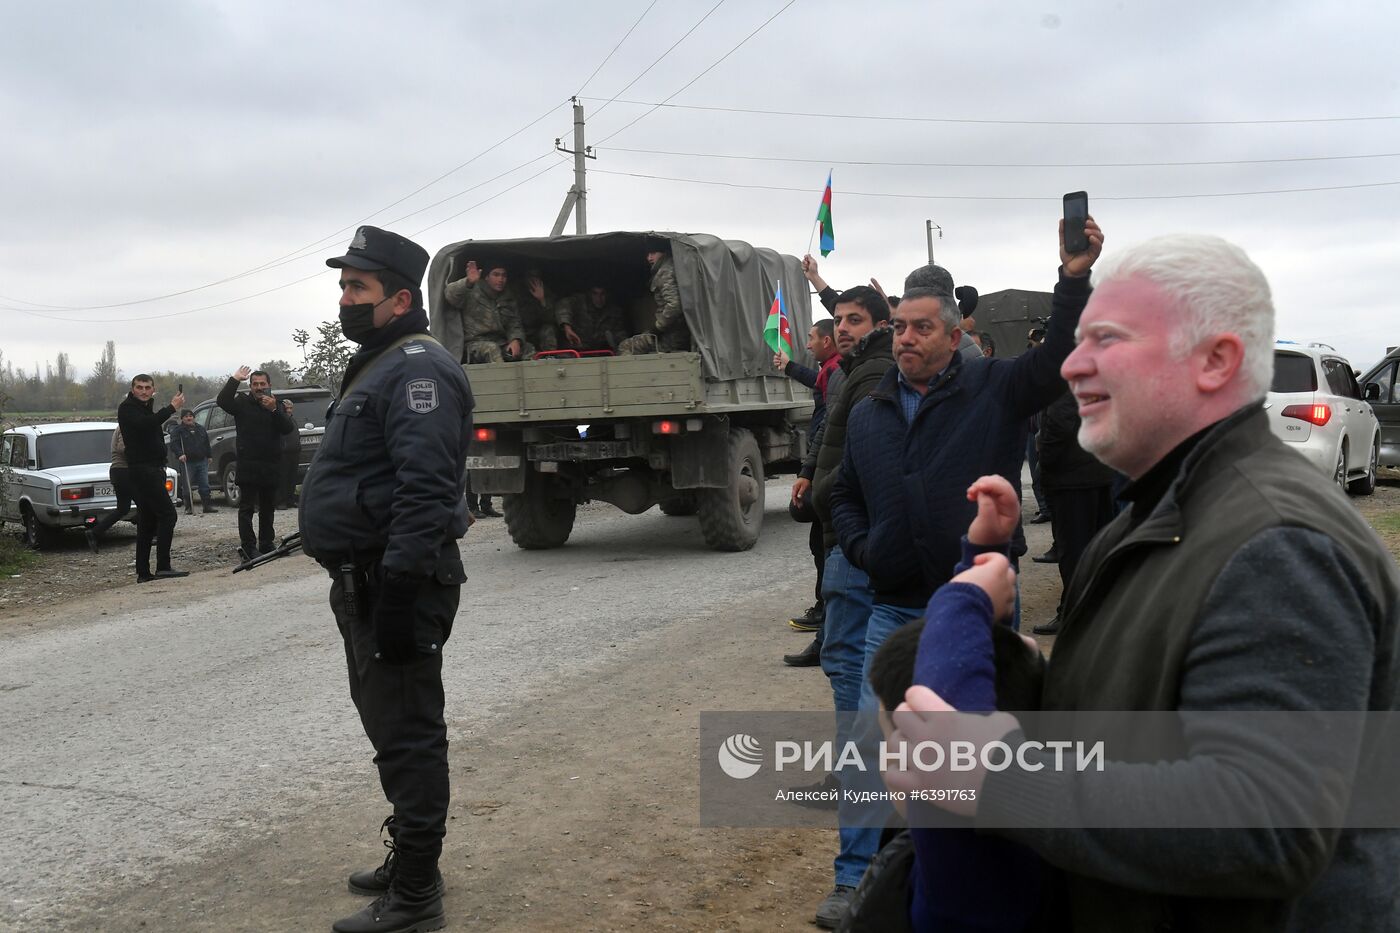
1316,407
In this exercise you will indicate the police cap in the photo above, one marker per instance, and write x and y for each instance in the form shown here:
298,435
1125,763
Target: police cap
373,249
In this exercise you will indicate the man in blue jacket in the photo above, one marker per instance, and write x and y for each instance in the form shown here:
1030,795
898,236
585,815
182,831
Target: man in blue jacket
936,422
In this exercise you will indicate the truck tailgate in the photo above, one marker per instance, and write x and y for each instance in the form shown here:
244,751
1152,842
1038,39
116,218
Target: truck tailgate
584,389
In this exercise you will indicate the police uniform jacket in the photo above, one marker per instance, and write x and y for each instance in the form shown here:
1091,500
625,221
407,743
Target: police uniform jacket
387,481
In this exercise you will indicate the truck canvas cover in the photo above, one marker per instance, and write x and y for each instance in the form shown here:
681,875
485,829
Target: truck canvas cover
726,286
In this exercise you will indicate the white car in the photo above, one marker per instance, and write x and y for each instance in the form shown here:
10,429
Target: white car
58,477
1316,407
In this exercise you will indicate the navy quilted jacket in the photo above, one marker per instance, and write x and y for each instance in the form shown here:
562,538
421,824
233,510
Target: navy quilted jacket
899,503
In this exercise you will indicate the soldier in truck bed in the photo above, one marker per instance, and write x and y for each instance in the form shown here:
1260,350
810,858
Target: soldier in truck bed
670,333
536,303
490,322
590,321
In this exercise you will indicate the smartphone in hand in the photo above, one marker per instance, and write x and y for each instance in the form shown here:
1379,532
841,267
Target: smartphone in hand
1076,214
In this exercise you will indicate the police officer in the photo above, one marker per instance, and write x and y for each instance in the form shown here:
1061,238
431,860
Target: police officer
382,508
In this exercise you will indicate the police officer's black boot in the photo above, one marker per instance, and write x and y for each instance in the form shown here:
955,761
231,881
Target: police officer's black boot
373,882
413,903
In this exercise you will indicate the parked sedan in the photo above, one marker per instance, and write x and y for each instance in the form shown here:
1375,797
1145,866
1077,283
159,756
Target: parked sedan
58,477
1316,407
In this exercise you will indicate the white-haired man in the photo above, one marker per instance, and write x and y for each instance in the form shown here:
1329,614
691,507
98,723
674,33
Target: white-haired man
1237,581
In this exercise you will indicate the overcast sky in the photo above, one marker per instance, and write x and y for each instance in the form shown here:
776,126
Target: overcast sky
165,146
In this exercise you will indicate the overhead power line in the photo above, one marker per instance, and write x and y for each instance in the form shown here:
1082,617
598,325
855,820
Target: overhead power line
697,77
658,58
975,197
609,56
277,288
1002,122
299,253
756,158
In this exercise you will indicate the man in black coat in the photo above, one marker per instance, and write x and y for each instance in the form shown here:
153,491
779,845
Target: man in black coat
1078,490
189,445
145,458
260,422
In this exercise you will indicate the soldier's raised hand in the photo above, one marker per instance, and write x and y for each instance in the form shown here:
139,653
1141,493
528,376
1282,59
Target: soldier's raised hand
473,272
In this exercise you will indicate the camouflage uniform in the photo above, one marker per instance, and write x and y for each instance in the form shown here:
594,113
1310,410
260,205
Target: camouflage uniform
537,320
598,328
489,321
670,335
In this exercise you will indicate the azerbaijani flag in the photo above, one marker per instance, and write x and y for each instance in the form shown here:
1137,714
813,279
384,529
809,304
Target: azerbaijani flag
824,218
777,332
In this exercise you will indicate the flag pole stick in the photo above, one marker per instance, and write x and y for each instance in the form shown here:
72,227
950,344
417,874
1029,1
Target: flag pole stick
818,222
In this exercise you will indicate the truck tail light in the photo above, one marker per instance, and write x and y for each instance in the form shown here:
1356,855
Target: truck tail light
76,493
1313,414
666,426
484,434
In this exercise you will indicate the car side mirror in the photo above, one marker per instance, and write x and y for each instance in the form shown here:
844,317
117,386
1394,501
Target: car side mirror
1373,392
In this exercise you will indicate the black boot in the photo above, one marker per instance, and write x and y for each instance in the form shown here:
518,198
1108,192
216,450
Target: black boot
487,509
207,507
411,905
375,881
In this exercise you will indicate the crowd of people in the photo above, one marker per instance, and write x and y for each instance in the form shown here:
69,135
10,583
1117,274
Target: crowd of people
489,317
267,449
1203,567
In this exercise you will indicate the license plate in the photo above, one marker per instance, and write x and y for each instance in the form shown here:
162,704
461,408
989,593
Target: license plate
493,463
310,440
99,491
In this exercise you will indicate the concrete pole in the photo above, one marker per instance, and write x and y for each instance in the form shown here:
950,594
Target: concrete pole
580,172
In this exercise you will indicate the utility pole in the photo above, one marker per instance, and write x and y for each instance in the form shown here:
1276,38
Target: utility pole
929,227
577,198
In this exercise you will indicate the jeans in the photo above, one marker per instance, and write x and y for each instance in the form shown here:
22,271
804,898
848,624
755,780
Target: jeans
121,486
846,593
199,475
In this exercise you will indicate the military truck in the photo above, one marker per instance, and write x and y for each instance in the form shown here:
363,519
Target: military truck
696,433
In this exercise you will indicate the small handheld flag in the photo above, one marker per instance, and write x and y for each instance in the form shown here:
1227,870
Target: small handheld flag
777,332
824,219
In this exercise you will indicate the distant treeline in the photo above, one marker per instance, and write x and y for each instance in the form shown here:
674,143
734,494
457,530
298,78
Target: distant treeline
57,389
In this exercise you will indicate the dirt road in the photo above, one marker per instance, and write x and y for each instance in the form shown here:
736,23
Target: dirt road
182,755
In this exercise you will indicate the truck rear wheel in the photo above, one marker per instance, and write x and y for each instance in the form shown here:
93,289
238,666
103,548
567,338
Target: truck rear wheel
537,519
732,516
682,505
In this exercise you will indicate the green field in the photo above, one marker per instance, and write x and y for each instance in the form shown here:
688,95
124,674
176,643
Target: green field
54,417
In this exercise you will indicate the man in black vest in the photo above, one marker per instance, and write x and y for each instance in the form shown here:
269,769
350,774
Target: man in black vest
261,422
1237,582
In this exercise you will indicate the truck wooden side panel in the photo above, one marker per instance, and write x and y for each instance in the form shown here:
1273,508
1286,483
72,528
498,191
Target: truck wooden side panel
598,388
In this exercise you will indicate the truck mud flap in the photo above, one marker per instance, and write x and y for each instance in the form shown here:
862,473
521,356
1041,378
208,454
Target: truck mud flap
700,459
496,467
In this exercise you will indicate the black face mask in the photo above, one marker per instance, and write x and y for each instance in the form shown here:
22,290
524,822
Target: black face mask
357,321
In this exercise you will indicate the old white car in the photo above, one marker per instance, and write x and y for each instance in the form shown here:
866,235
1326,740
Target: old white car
57,477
